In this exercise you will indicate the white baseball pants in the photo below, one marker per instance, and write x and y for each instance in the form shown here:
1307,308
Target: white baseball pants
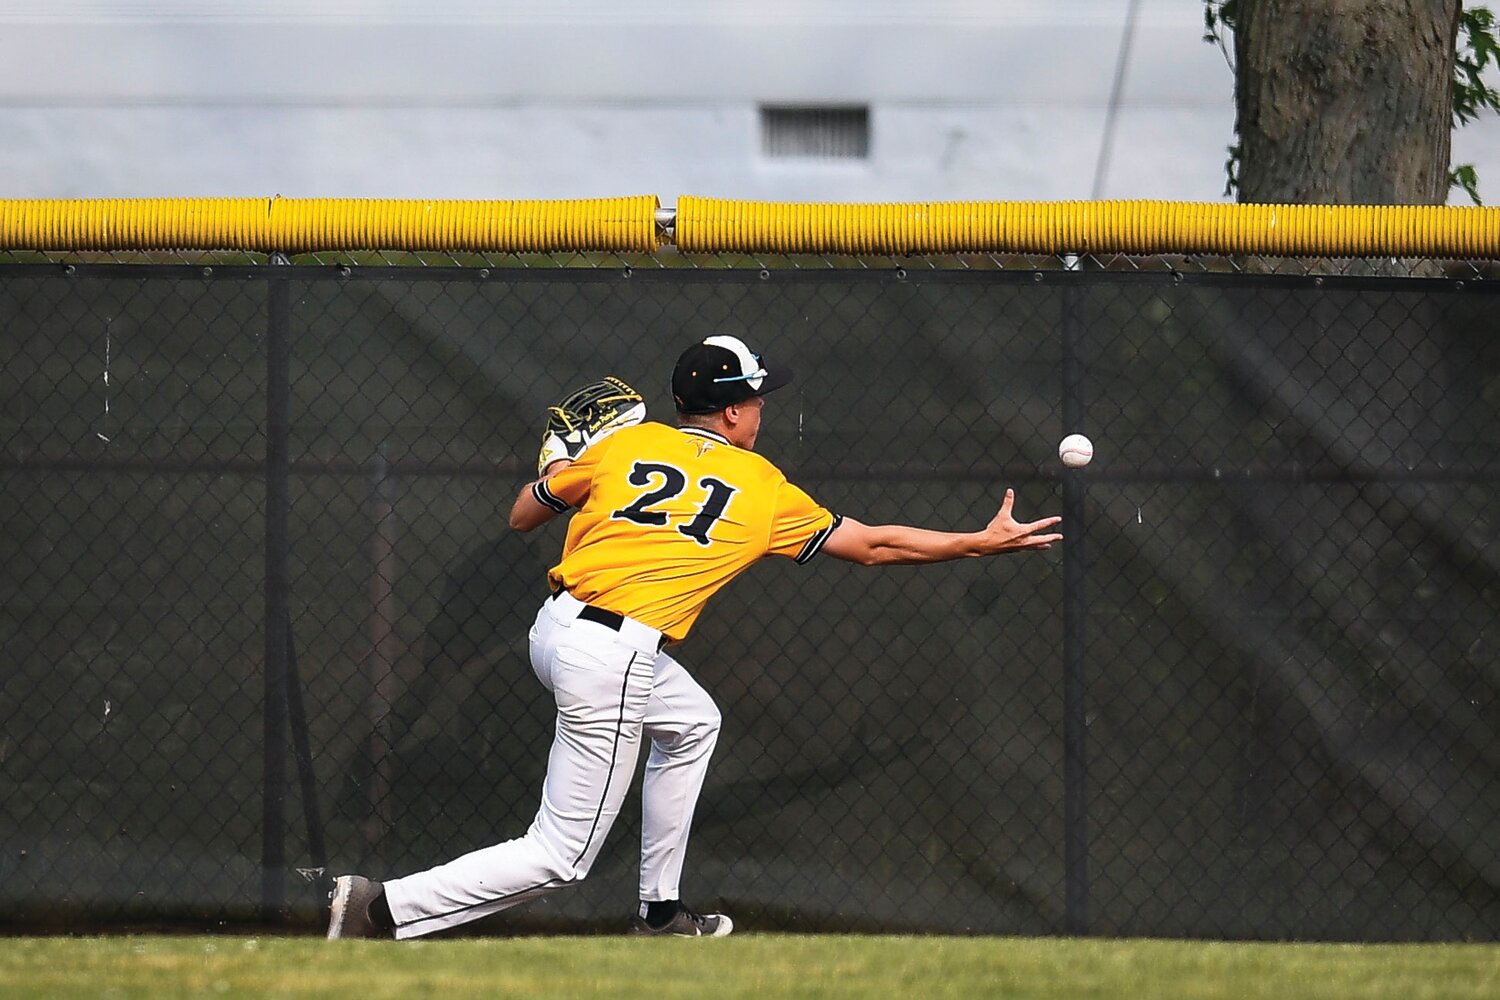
612,687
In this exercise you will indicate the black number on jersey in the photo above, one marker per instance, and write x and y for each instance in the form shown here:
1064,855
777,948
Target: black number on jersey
719,493
673,481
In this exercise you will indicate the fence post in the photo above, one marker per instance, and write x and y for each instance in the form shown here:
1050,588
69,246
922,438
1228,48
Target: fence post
1075,718
278,586
382,660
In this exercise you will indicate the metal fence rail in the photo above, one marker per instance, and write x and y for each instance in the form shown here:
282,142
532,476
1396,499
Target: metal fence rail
261,612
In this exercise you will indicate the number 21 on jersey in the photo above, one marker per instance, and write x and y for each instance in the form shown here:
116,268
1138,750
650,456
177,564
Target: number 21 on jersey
661,483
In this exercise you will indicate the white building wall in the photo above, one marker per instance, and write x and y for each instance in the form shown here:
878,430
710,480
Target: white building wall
969,99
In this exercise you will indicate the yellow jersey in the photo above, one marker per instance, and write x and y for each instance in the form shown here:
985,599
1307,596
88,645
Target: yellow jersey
667,516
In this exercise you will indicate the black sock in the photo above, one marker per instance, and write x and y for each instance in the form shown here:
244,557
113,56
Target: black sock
380,913
660,914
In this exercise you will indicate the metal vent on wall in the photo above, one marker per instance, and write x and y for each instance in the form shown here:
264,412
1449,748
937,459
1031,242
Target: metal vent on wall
827,133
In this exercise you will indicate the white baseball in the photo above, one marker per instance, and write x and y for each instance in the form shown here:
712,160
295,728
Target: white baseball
1076,451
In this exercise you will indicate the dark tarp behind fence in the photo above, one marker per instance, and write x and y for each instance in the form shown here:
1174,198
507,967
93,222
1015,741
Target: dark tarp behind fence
1288,594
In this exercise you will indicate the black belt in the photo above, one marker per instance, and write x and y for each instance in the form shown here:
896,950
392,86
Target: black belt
609,619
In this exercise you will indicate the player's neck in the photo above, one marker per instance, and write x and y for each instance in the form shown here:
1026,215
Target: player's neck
716,426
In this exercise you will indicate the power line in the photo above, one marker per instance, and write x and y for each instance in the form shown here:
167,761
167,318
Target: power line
1116,92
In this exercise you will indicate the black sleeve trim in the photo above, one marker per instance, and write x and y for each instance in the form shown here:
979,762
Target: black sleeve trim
547,498
815,543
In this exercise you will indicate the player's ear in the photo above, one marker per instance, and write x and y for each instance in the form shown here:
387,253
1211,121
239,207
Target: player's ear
735,412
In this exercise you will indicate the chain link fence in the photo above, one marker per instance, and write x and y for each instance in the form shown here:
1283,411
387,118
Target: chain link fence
261,612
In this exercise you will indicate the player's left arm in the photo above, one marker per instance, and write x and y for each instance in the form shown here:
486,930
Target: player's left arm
533,508
899,544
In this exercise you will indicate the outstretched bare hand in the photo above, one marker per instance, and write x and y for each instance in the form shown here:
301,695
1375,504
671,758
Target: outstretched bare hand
1005,534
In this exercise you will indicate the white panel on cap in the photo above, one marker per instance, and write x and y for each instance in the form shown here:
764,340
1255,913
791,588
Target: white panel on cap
749,364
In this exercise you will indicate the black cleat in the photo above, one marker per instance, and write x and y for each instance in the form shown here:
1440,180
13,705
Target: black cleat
686,923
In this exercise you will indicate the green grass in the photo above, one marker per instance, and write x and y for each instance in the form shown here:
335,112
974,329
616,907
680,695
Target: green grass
755,966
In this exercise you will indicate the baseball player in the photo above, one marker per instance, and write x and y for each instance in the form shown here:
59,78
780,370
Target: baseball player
663,517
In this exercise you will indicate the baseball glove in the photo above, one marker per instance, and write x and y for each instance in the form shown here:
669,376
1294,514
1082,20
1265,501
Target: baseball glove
587,415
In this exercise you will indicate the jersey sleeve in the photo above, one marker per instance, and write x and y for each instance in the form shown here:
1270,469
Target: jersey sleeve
571,486
799,525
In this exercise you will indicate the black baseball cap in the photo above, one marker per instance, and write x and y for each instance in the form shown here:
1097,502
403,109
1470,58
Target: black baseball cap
720,371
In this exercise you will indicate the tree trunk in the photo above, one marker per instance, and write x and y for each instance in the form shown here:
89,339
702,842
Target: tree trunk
1348,102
